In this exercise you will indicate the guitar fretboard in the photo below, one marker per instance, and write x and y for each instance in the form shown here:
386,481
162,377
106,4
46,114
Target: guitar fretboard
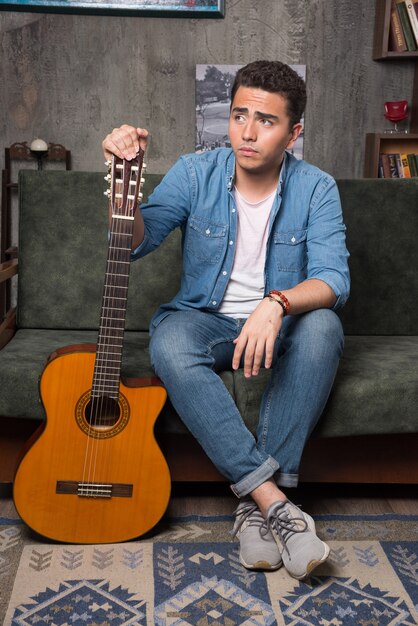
113,313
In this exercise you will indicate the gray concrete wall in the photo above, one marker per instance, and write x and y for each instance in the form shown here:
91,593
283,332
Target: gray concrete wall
71,78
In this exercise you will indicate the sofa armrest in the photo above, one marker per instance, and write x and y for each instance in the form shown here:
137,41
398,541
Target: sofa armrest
8,269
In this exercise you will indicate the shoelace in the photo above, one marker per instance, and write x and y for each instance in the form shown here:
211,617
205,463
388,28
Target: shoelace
284,526
249,513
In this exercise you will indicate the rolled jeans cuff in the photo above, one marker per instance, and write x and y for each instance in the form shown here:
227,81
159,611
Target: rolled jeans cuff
286,480
256,478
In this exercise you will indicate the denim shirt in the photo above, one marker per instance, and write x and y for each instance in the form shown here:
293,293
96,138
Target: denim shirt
306,233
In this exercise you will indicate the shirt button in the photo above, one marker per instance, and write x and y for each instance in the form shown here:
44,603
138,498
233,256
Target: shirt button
214,302
292,240
224,273
231,243
208,231
233,210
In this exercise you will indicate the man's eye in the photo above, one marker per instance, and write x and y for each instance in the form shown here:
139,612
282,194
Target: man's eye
266,122
239,118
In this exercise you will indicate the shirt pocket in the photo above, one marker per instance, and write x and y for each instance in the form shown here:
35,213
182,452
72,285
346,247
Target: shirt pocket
205,239
290,250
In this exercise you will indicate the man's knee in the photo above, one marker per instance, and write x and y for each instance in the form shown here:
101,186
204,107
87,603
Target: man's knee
321,328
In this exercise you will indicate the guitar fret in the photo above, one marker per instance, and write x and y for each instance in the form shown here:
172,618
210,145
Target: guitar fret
103,366
115,274
115,298
113,308
103,386
115,261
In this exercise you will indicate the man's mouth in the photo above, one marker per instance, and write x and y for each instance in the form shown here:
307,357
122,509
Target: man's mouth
247,150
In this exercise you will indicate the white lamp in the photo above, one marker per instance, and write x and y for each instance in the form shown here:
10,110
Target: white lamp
39,149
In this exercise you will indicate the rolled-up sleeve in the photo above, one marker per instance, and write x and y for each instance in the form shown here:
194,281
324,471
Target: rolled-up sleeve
327,251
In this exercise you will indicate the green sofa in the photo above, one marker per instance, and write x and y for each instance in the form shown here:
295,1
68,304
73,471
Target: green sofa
368,431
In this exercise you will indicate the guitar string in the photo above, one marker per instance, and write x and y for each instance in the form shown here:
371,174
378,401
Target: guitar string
105,392
102,407
93,408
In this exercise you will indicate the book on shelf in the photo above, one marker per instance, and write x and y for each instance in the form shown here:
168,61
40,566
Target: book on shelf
413,164
412,8
406,25
405,166
397,41
396,165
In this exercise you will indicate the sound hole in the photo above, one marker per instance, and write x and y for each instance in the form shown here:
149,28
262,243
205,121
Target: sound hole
102,413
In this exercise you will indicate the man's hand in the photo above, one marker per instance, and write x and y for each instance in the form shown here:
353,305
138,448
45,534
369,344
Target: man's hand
257,337
125,142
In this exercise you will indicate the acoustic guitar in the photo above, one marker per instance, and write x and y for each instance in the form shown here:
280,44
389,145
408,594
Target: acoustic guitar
95,473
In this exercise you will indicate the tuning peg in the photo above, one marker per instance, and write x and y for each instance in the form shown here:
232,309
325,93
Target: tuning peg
107,163
107,193
144,166
142,181
108,177
140,196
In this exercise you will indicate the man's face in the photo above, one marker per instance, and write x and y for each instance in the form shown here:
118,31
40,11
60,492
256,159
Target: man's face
259,130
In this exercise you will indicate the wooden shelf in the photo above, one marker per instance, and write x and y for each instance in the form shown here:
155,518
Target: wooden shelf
381,50
388,143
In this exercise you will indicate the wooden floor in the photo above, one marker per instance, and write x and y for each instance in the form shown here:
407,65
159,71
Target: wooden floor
217,499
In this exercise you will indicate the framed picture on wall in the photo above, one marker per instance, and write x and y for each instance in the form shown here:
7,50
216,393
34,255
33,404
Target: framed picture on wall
213,97
146,8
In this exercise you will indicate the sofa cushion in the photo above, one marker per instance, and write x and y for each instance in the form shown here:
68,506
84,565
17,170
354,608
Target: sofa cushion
23,360
375,391
375,375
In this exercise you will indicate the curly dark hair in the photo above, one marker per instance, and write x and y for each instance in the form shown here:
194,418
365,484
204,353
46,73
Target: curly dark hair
275,77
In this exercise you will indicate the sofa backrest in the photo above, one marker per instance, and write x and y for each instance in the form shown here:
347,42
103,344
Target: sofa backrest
63,248
63,226
381,216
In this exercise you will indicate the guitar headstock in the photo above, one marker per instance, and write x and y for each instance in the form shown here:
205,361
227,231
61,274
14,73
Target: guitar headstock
126,180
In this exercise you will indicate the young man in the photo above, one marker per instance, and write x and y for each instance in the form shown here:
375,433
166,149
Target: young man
264,269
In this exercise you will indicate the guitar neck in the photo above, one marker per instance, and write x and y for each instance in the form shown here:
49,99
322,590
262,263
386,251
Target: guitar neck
125,183
113,312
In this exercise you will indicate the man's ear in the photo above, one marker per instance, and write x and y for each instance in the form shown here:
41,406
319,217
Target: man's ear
295,131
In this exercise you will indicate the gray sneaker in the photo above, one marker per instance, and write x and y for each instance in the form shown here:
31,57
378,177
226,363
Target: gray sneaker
294,532
258,548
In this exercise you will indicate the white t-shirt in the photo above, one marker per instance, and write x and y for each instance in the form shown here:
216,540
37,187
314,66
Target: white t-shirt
246,285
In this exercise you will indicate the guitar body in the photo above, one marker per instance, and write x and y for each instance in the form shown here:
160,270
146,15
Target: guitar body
100,483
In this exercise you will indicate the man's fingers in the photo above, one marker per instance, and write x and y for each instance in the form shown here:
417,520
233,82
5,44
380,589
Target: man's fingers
125,142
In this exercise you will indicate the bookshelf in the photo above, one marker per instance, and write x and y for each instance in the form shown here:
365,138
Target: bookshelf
390,143
377,143
381,50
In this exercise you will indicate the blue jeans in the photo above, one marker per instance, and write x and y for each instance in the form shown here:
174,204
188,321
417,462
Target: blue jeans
189,348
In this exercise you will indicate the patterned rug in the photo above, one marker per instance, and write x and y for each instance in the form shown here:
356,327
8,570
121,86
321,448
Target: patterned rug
188,573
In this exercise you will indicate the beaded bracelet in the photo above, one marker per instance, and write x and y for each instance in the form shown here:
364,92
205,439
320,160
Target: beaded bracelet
282,298
282,304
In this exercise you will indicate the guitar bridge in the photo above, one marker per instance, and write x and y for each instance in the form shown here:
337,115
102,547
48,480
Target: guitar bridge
94,489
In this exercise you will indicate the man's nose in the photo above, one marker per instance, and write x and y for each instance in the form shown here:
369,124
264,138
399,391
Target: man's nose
249,131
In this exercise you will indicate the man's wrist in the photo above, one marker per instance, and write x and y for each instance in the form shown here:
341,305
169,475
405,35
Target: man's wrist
277,301
281,299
